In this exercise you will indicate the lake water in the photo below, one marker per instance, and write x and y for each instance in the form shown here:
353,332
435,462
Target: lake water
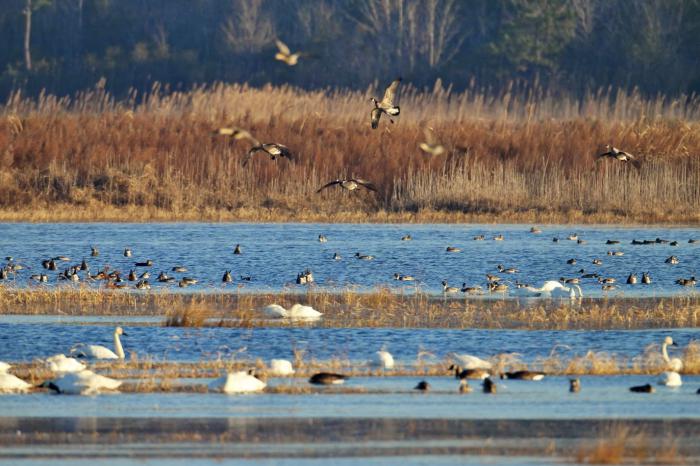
273,254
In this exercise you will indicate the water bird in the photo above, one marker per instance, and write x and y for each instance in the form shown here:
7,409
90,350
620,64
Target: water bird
82,350
693,241
62,258
476,373
464,386
632,279
615,153
406,238
608,287
503,269
570,281
612,241
41,277
449,289
581,241
673,243
62,363
296,312
10,383
337,257
452,249
84,382
616,253
686,281
272,149
571,261
364,257
672,260
238,382
179,269
127,252
646,279
555,240
285,55
305,278
164,278
574,385
382,359
281,367
488,385
245,278
671,377
132,276
572,237
227,278
403,278
661,241
84,265
237,250
643,389
498,237
479,238
422,386
523,375
431,146
142,285
94,252
328,378
497,287
597,262
349,184
145,276
492,278
535,230
552,289
386,105
469,361
471,289
322,239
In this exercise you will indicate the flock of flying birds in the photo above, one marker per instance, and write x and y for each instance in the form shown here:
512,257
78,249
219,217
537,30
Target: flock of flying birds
386,106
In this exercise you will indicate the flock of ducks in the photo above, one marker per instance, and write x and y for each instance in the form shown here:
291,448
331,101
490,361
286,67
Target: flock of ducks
74,378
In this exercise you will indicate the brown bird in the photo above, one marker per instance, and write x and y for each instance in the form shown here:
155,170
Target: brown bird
386,105
431,146
350,184
615,153
272,149
285,55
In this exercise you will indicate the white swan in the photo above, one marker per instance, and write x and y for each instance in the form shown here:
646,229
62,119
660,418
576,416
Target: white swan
82,383
468,361
238,382
296,312
62,363
670,378
281,367
382,359
10,383
101,352
551,289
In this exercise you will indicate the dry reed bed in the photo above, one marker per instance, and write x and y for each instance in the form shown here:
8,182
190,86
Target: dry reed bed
512,156
378,308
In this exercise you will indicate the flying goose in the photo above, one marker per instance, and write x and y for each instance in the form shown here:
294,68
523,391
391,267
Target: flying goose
285,55
386,105
272,149
615,153
350,184
431,146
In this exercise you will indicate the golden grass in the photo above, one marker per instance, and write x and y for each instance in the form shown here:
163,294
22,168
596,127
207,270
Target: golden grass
380,307
622,444
510,157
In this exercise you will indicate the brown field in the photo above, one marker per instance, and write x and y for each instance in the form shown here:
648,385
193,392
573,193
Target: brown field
513,156
378,308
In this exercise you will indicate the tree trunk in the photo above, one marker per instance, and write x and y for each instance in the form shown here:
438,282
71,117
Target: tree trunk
27,35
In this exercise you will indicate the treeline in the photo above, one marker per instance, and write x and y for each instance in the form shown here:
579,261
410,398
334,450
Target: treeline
574,45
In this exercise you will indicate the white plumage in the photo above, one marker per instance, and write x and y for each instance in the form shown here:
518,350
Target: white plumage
62,363
551,289
238,382
383,359
467,361
83,383
296,312
12,384
4,367
101,352
670,379
281,367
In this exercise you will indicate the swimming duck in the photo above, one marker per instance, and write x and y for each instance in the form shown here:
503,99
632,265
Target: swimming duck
328,378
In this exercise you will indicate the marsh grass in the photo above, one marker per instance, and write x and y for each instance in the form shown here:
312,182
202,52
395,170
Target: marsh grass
622,444
511,157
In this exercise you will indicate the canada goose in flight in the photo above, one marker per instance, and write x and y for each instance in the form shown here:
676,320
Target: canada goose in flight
285,55
272,149
615,153
386,105
350,184
431,146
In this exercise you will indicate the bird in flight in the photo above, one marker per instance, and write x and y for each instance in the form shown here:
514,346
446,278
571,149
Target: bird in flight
350,184
615,153
285,55
431,146
272,149
386,105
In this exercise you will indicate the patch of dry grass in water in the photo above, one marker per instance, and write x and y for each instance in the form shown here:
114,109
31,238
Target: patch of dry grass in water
623,445
92,157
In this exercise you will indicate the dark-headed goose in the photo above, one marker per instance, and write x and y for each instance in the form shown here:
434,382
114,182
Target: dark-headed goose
350,184
386,105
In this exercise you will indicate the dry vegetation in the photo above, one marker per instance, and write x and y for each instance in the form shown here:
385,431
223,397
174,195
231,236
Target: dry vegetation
378,308
511,156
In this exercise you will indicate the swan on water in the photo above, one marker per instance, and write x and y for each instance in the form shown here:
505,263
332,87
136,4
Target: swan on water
551,289
82,350
296,312
671,377
382,359
62,363
10,383
238,382
281,367
467,361
82,383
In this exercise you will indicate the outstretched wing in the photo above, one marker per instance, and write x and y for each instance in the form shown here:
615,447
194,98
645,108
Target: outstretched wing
365,183
329,184
390,93
237,133
279,150
283,47
250,153
375,115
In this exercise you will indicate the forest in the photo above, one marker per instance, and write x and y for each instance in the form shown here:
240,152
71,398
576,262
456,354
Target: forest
63,46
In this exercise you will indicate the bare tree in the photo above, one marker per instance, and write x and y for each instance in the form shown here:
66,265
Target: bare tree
249,29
